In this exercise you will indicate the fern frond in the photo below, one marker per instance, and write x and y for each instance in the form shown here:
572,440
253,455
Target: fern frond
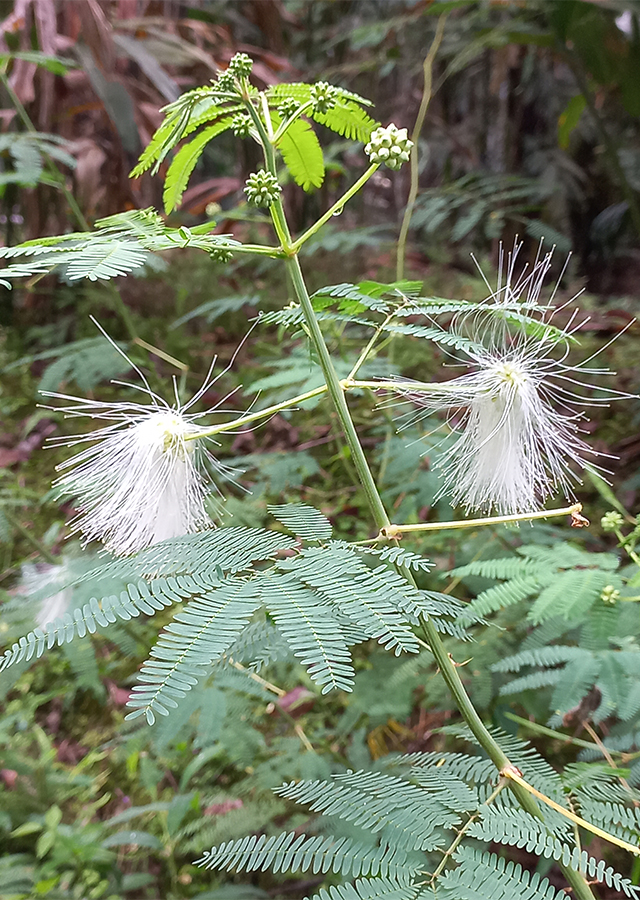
405,816
450,790
578,677
518,829
502,569
570,593
104,260
354,298
120,244
533,682
480,876
470,769
621,820
197,637
301,91
433,333
227,550
259,644
398,556
347,117
304,521
182,117
291,853
173,570
311,631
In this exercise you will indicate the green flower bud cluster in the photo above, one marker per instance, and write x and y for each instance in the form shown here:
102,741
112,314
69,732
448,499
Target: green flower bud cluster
220,255
240,125
390,146
324,97
262,188
611,521
240,65
610,595
287,108
226,82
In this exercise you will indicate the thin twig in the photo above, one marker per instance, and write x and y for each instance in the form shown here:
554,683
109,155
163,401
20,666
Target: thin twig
454,846
512,773
415,136
393,531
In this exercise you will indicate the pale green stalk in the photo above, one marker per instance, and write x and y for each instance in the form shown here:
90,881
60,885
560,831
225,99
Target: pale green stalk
396,531
336,208
567,738
241,421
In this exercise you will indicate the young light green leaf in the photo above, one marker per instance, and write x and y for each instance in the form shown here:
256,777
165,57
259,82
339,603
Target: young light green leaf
185,161
302,155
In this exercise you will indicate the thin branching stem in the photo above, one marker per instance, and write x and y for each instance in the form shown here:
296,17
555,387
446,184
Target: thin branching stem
415,137
566,738
396,531
250,418
512,774
336,208
448,853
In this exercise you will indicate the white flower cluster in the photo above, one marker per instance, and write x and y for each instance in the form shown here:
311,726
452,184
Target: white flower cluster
516,413
146,476
390,146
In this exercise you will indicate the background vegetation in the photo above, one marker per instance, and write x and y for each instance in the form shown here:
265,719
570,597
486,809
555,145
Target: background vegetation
533,130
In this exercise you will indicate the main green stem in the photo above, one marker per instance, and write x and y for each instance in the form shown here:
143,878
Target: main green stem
446,665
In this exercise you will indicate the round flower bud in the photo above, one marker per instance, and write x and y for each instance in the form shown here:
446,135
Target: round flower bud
610,595
262,188
287,108
390,146
240,125
226,81
240,65
611,521
220,255
324,97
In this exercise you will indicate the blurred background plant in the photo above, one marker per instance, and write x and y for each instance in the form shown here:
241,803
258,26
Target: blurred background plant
533,130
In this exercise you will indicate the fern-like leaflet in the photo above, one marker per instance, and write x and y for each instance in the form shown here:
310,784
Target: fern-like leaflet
119,245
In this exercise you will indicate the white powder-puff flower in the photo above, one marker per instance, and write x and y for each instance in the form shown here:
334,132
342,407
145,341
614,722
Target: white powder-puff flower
516,413
146,476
